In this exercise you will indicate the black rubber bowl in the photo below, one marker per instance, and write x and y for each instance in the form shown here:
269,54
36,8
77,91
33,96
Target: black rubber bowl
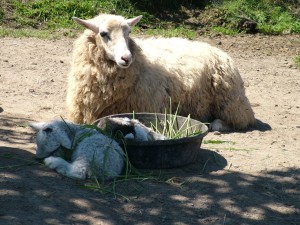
162,154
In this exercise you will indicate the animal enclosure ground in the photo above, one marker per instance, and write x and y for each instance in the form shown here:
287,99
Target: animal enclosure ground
239,178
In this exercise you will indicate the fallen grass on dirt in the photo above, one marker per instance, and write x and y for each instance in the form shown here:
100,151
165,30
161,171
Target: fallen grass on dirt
26,162
217,142
130,173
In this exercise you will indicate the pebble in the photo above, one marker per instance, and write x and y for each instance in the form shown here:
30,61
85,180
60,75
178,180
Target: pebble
217,133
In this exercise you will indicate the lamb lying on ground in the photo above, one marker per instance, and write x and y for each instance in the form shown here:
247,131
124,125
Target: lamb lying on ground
112,73
92,153
131,129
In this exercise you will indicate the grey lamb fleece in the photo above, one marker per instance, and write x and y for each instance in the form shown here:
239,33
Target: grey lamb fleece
92,153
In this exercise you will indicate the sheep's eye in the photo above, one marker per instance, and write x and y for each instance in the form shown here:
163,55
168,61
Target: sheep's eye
48,129
104,34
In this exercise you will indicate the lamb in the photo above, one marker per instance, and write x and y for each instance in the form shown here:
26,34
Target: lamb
92,153
131,129
112,73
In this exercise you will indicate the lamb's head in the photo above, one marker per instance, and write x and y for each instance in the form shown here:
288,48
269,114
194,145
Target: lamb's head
50,137
114,35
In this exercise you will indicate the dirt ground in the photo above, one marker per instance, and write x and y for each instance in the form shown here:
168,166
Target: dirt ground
250,178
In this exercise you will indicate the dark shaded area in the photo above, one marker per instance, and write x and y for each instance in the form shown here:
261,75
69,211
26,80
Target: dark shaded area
188,197
170,10
262,126
8,133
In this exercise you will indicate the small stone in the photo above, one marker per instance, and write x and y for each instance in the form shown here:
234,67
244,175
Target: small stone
217,133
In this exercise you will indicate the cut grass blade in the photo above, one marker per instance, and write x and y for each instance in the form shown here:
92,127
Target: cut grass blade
218,142
12,156
169,126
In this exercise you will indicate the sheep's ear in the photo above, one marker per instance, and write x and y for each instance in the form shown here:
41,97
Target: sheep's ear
134,21
37,126
89,24
65,141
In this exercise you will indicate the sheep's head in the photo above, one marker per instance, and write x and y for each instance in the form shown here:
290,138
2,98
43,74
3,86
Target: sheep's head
114,34
50,136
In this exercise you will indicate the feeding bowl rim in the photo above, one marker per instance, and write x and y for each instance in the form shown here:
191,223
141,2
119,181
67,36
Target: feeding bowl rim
196,137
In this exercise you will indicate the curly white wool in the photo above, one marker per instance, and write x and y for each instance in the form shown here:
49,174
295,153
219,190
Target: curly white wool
112,73
94,154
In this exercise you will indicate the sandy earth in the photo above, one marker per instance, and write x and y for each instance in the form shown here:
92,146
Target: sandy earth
252,178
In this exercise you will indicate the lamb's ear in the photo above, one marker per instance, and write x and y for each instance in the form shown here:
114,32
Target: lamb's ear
37,126
65,141
89,24
134,21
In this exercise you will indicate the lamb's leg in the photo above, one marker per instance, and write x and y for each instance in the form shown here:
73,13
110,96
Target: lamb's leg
76,169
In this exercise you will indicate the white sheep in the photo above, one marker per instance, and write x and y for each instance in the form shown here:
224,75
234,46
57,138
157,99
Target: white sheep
112,73
92,153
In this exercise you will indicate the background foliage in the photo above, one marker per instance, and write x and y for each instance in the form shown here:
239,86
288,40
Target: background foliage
225,16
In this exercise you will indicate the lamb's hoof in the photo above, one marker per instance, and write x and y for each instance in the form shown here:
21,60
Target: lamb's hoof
219,125
52,162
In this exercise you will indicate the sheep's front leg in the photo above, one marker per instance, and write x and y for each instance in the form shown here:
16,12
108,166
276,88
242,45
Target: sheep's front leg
73,170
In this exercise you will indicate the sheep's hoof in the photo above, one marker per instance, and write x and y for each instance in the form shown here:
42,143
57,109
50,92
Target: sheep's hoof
219,125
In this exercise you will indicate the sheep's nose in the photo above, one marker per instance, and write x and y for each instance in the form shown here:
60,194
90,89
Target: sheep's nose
126,59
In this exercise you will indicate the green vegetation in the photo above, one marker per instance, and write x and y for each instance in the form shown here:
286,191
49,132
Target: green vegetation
53,14
170,128
270,17
173,32
217,142
297,61
175,18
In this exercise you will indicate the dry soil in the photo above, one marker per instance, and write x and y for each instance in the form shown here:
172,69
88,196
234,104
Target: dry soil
251,177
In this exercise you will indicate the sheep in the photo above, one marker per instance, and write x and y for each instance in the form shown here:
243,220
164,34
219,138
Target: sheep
112,73
131,129
91,153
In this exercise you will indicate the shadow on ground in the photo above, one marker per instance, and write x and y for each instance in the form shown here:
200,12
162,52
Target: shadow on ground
262,126
14,130
197,194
